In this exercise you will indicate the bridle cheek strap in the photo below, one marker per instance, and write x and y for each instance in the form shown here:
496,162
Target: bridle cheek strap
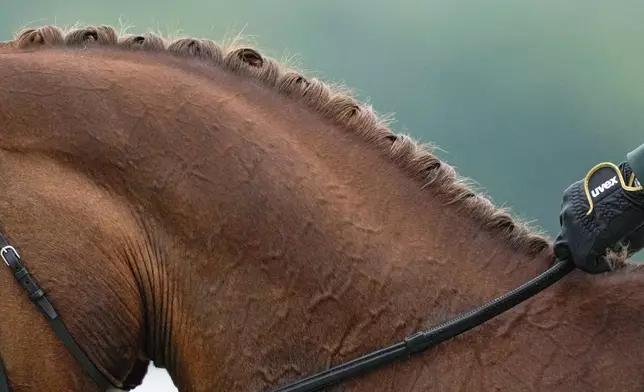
37,296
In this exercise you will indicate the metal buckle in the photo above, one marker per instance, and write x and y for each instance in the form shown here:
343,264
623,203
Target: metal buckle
4,250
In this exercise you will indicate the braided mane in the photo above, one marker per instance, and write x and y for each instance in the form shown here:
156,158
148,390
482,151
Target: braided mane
418,160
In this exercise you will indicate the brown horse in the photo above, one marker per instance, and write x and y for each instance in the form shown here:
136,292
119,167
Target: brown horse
243,226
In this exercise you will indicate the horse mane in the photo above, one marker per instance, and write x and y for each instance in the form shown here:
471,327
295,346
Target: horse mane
331,101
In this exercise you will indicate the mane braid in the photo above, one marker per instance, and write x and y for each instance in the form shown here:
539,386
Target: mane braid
334,103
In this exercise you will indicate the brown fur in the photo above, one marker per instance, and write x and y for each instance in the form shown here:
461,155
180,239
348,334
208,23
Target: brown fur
180,211
418,160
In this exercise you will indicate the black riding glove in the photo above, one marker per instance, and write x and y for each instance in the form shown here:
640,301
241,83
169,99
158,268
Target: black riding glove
601,212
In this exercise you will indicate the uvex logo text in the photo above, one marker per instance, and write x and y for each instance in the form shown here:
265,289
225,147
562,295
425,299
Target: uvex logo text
606,185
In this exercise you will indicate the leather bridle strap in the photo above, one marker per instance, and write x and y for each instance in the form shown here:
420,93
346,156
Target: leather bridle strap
37,296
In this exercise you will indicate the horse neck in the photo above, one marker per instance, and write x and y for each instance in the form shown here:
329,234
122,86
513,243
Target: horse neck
296,260
267,315
298,257
282,243
275,245
297,300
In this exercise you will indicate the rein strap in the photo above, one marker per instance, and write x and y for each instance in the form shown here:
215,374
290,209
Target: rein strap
421,341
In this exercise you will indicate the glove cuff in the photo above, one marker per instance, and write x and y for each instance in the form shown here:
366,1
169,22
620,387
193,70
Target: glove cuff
635,160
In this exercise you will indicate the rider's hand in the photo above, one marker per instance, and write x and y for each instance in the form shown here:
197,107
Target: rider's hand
604,211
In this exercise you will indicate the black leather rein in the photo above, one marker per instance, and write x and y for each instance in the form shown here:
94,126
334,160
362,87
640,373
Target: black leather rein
414,344
421,341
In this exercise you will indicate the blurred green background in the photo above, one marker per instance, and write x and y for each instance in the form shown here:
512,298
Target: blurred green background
521,96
